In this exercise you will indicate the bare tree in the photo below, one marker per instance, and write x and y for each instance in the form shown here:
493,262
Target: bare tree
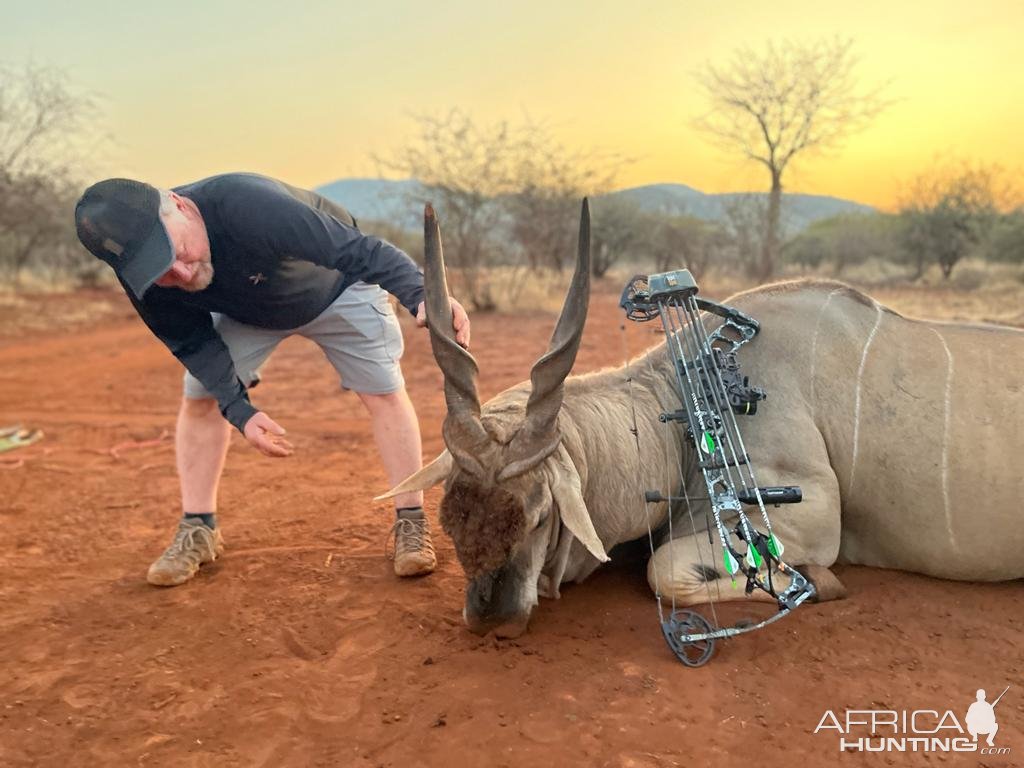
464,168
787,100
504,190
685,241
672,241
745,217
43,130
709,244
550,179
619,228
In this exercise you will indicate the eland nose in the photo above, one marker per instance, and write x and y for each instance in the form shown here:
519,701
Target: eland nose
507,629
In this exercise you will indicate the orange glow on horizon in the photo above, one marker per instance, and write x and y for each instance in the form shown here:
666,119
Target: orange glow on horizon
315,95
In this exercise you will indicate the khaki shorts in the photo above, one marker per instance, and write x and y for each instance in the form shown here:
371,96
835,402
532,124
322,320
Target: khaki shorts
359,333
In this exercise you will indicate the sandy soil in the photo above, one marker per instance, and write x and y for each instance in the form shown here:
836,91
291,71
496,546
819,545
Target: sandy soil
300,648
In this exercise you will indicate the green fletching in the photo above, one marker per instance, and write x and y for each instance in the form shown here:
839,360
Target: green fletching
754,558
708,443
775,546
731,566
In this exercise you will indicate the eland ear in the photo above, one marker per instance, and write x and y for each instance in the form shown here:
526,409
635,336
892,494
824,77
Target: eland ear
432,474
568,494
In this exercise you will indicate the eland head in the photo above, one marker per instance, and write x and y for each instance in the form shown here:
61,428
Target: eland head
513,499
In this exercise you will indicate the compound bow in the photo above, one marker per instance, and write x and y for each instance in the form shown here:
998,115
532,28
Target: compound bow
711,393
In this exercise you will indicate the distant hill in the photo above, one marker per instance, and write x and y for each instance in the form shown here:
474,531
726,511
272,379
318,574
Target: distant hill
379,200
401,202
799,210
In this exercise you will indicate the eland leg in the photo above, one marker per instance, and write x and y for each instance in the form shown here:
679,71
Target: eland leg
691,572
691,569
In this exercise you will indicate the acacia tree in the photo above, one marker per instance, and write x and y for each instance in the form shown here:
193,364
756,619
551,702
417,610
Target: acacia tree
782,102
950,212
845,241
1007,240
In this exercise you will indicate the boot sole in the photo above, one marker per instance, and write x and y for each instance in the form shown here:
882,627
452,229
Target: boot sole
167,580
415,569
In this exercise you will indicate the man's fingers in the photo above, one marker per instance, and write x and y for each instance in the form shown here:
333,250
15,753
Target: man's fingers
267,424
460,322
279,440
266,435
275,447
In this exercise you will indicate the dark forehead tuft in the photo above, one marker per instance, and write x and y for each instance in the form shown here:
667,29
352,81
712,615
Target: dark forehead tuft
485,522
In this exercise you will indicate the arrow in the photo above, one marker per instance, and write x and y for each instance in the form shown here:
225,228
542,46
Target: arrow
730,562
753,558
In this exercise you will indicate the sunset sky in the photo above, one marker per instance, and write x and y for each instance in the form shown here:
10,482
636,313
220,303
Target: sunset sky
309,91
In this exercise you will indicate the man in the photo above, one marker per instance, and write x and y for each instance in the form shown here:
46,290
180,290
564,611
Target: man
222,270
981,717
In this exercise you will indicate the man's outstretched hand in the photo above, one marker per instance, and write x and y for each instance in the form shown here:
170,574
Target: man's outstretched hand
460,321
267,436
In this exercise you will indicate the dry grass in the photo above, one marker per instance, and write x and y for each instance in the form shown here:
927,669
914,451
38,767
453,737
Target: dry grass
22,313
977,292
517,289
1000,304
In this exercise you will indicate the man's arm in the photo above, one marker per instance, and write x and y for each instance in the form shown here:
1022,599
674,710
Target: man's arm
279,222
189,333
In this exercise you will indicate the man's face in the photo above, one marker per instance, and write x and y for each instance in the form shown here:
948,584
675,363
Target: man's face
192,269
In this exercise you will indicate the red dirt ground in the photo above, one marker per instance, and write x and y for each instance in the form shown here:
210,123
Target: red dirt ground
300,648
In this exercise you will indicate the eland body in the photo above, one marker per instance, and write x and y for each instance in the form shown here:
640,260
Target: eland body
906,436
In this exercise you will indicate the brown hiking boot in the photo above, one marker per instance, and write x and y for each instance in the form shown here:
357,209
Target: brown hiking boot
414,551
194,544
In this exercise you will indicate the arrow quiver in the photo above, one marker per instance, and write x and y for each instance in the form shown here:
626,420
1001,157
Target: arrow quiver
712,393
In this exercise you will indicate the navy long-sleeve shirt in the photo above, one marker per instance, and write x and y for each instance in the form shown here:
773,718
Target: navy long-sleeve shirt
280,256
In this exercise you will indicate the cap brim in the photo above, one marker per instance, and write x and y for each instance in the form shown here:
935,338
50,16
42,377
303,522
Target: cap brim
150,260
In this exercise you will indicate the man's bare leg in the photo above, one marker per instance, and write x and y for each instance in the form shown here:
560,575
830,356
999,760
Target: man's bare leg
396,431
201,445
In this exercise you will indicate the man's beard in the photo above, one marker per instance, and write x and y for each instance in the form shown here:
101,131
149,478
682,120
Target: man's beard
202,278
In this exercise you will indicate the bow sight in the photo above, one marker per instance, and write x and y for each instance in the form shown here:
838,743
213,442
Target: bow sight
711,393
